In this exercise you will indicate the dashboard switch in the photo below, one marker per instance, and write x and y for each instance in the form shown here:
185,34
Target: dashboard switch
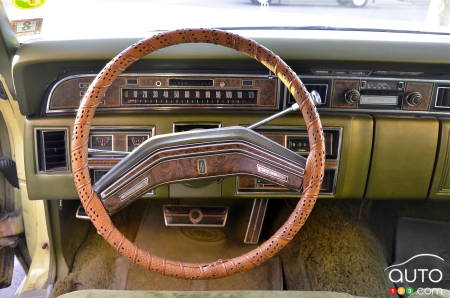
414,98
352,96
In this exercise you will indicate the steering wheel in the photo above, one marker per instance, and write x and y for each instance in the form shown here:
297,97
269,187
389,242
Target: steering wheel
197,154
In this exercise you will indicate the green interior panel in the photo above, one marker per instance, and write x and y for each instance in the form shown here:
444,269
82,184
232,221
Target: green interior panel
8,46
403,158
353,166
354,160
440,188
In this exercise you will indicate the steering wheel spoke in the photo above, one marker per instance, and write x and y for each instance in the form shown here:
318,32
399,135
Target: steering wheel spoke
194,155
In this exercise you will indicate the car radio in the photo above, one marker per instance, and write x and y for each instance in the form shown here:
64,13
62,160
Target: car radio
381,94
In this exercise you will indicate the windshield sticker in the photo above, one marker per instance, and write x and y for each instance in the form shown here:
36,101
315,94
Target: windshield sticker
28,4
27,27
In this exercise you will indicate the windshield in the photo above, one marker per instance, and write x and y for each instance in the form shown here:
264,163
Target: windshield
75,19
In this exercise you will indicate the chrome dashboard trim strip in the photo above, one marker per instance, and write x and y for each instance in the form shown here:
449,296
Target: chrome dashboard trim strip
149,194
375,79
256,221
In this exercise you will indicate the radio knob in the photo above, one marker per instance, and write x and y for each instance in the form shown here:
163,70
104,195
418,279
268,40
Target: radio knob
414,99
352,96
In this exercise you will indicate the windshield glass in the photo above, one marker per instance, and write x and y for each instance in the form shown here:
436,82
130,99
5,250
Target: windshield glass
74,19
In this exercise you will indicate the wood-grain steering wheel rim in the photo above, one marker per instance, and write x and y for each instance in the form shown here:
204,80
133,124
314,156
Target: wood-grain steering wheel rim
92,204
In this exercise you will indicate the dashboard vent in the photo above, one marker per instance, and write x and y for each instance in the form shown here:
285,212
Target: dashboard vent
322,89
443,97
52,150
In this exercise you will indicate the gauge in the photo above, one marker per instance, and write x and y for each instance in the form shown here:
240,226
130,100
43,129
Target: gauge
134,141
299,144
102,142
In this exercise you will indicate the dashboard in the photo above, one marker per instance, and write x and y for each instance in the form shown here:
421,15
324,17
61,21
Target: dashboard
173,93
385,122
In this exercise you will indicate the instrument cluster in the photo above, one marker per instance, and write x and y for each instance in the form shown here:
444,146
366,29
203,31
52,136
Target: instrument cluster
165,92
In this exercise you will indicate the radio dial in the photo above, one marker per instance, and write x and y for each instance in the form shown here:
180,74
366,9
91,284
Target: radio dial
352,96
414,98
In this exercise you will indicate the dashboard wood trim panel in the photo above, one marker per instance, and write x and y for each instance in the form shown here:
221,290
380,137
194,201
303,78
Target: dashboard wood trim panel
65,94
271,101
223,159
426,89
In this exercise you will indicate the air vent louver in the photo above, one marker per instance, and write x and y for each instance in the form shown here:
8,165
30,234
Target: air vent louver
52,150
321,88
443,97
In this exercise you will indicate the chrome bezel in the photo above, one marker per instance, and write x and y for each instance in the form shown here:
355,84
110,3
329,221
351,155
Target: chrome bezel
325,99
436,96
36,154
137,134
196,224
102,135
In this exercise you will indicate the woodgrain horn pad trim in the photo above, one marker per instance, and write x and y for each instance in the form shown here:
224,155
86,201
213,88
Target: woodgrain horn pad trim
99,216
196,162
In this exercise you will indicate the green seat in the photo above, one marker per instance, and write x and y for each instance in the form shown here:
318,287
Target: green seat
202,294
